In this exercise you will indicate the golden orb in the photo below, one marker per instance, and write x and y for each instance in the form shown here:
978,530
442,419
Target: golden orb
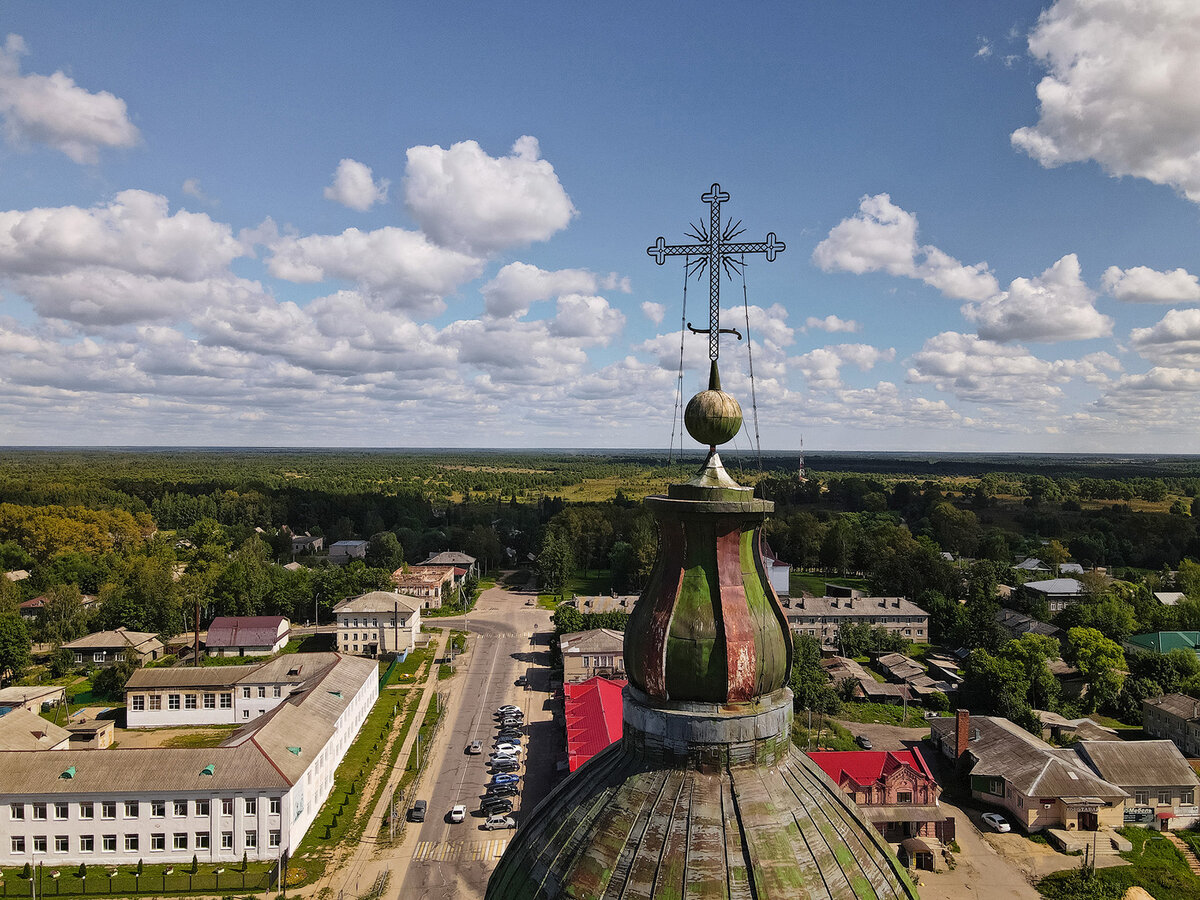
713,417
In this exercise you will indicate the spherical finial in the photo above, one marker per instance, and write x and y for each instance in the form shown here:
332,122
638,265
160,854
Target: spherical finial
713,417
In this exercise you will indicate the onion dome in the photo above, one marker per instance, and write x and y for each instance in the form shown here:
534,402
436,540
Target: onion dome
713,417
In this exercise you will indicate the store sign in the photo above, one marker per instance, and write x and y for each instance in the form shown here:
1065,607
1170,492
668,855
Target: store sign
1187,810
1139,815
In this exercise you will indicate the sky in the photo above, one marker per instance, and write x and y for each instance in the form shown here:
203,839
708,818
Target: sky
425,225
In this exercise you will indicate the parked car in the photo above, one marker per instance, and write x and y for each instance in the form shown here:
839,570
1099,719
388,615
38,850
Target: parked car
500,790
417,813
514,749
505,763
499,780
509,734
458,813
494,822
522,681
508,708
496,806
475,748
863,741
511,723
997,821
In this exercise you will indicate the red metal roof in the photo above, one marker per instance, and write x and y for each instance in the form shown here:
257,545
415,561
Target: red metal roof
865,767
243,631
593,714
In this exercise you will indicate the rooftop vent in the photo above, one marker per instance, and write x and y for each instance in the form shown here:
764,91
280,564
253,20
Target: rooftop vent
69,773
295,751
210,769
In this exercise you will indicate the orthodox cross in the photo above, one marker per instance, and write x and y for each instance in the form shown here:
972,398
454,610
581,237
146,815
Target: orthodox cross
715,249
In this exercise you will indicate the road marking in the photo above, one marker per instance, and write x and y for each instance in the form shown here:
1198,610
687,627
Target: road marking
452,851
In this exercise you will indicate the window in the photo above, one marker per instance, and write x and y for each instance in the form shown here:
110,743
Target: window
155,702
251,840
60,810
1187,798
274,809
1141,798
157,842
227,806
16,811
131,809
245,713
108,843
87,811
904,796
78,658
179,808
39,843
273,839
131,843
226,840
245,693
172,701
227,701
252,806
18,845
201,840
138,702
278,690
189,701
98,656
1164,797
87,843
179,841
210,701
202,807
587,662
108,810
39,811
262,690
158,809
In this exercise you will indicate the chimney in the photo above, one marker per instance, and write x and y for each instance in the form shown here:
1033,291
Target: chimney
962,727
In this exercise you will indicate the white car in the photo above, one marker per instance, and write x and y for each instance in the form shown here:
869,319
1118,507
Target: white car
997,821
514,749
458,813
494,822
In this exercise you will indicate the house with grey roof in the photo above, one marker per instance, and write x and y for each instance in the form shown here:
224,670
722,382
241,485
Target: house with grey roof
378,623
586,654
21,729
1169,598
1059,593
456,560
823,616
344,551
1161,783
104,648
1175,717
247,635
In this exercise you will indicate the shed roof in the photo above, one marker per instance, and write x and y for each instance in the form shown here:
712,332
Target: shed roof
22,730
379,601
120,639
1058,586
1166,641
245,631
1137,763
865,767
593,712
603,640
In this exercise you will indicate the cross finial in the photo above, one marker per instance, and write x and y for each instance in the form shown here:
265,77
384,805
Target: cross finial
715,249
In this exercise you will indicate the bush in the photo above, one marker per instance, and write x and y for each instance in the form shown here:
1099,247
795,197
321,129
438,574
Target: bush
62,661
938,702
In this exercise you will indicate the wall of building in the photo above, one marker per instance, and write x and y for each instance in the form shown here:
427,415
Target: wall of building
141,711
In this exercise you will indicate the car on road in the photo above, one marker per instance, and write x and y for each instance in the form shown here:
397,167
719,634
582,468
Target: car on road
417,813
863,741
508,709
509,734
514,749
458,813
500,779
494,822
475,748
997,821
497,791
496,806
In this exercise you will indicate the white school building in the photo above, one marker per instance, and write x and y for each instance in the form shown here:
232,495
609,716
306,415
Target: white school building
256,794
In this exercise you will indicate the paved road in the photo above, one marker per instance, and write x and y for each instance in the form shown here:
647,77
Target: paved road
439,860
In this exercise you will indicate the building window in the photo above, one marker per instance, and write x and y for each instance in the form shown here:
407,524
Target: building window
1187,798
98,656
251,840
226,840
157,842
18,845
227,701
274,808
39,843
227,806
131,809
155,702
189,701
87,843
179,841
87,811
201,840
138,702
62,843
109,843
1164,797
273,839
252,806
1141,798
131,843
78,658
245,693
210,701
245,713
60,810
39,812
172,701
904,796
179,807
202,807
16,811
108,810
278,691
158,809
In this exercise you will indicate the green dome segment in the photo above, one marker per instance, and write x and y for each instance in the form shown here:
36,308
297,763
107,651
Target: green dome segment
713,417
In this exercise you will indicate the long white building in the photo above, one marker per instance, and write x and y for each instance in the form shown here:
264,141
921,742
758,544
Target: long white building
256,794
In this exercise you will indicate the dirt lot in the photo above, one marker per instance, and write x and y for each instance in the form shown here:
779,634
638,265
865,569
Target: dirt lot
171,737
887,737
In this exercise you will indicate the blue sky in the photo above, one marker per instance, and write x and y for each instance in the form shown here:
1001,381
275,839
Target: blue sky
425,225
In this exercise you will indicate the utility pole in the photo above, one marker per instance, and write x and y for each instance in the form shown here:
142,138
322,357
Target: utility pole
196,646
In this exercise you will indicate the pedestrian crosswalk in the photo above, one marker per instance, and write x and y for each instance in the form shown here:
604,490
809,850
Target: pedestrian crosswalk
451,851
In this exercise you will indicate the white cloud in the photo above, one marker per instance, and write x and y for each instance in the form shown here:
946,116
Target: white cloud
53,110
822,366
1120,89
464,199
519,284
831,324
984,371
401,267
1055,306
1173,340
354,186
191,187
654,311
985,48
587,317
883,237
1144,285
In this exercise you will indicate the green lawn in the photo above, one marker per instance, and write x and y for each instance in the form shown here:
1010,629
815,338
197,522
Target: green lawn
155,880
883,713
826,734
1155,865
815,583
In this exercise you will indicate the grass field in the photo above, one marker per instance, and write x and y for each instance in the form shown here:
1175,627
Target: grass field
814,583
884,714
1155,865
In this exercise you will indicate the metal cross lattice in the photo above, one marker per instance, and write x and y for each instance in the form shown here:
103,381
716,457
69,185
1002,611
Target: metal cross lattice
715,250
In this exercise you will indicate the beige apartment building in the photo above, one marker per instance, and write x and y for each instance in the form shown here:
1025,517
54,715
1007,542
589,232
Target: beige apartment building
600,651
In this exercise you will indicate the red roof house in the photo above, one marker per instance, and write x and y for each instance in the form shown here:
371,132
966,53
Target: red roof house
593,714
247,635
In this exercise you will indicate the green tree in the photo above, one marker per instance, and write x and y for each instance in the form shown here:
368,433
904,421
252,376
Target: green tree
809,683
1055,554
62,661
62,618
110,681
14,644
555,563
1099,660
385,551
1033,653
